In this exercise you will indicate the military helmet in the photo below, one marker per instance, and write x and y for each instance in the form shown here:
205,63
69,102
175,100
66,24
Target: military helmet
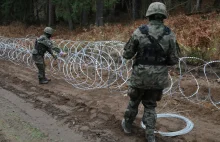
157,8
48,30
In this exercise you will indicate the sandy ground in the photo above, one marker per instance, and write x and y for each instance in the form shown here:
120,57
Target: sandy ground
95,115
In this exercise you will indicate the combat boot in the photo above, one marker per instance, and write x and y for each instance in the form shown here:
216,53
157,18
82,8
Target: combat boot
48,79
126,127
150,138
43,81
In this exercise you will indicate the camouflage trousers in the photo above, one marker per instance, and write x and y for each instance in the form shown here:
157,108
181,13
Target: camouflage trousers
41,71
149,99
39,62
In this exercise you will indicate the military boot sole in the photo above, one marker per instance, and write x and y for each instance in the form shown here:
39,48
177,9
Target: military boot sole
43,82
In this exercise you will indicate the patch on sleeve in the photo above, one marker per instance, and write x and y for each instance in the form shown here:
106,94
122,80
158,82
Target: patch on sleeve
167,30
144,29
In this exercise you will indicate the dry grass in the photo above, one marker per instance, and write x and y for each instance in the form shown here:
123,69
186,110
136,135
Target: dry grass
199,35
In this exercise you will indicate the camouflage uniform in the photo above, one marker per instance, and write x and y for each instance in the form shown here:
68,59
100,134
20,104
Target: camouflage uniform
43,44
147,82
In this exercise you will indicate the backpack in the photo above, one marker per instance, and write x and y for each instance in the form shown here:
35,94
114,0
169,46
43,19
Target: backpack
38,48
152,53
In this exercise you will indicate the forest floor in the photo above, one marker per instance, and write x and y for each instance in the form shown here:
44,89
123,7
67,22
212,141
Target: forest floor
59,112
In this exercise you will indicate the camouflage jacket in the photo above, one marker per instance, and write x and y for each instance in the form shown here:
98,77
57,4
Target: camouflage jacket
44,44
151,76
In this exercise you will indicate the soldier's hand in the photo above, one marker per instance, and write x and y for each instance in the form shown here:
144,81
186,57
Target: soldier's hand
55,57
124,61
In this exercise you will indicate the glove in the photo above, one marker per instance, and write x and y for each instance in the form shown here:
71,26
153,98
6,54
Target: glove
125,61
56,49
55,57
62,54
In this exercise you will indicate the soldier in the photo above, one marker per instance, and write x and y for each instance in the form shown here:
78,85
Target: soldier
153,47
43,44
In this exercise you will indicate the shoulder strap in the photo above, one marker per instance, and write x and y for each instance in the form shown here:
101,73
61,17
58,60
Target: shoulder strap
166,31
145,30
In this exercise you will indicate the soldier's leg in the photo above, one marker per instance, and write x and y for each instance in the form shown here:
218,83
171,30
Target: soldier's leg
131,112
45,78
149,101
41,73
40,70
39,62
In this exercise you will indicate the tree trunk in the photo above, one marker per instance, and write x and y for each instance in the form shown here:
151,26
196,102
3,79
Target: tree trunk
169,4
217,4
198,5
144,4
51,13
143,8
99,12
85,15
111,14
46,12
70,21
188,8
35,17
36,11
136,9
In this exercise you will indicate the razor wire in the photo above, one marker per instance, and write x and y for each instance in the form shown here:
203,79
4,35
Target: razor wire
99,64
189,125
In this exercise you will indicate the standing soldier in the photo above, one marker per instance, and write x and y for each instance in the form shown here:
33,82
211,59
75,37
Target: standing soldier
43,44
153,47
